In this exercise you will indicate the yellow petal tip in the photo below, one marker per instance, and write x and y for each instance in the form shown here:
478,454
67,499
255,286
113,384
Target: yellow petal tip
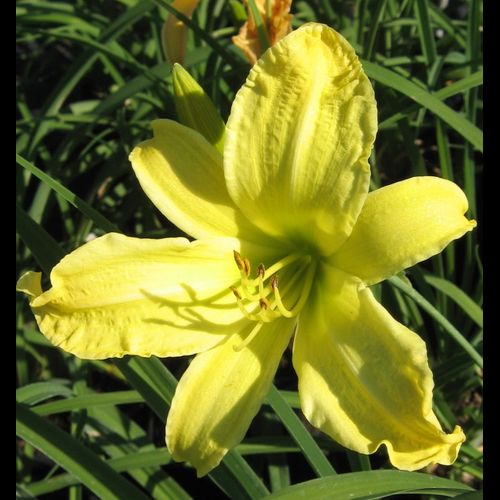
202,461
444,451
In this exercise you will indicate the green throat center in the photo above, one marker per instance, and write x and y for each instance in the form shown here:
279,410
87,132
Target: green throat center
261,299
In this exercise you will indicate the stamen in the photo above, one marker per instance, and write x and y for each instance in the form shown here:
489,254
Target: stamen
248,267
261,271
281,264
304,294
243,264
249,337
249,315
274,281
265,314
269,297
239,260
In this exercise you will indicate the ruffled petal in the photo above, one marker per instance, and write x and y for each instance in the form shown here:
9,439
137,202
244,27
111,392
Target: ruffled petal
299,137
364,378
221,392
118,295
401,225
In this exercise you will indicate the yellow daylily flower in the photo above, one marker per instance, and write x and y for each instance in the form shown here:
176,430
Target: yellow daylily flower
287,240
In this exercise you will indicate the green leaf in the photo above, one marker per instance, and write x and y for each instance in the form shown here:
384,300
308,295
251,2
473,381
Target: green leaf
458,122
22,493
464,84
43,247
372,484
238,11
82,64
292,398
70,197
259,24
267,445
458,296
312,452
455,88
120,437
39,391
473,495
434,313
378,13
358,462
152,381
157,385
86,401
126,463
442,20
71,455
426,32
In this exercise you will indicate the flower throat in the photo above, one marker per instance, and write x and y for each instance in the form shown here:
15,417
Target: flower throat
263,295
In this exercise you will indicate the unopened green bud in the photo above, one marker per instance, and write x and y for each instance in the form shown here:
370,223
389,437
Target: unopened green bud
195,109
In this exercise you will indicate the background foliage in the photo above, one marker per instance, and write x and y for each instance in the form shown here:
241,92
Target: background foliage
90,78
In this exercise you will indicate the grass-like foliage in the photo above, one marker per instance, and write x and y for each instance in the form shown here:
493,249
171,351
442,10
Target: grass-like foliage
91,76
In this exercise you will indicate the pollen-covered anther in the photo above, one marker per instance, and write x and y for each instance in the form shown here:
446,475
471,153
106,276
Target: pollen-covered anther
263,302
261,271
248,268
243,264
274,282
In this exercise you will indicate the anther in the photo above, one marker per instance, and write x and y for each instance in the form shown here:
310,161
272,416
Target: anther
248,268
264,303
239,261
274,282
243,264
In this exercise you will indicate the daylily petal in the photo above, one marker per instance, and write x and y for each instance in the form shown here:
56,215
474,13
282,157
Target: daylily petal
118,295
402,224
299,137
182,174
364,378
220,393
